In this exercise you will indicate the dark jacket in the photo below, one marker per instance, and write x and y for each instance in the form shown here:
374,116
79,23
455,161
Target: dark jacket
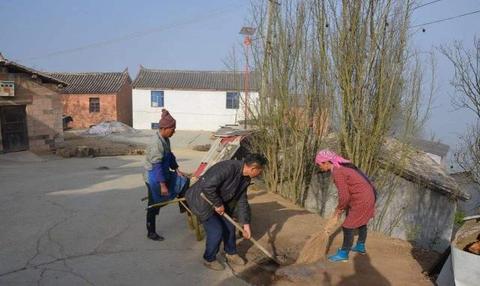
224,184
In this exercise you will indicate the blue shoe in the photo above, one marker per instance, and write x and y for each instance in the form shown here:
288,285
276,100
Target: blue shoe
360,248
342,255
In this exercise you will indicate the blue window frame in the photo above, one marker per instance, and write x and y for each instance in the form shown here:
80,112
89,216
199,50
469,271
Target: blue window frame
233,100
156,98
155,125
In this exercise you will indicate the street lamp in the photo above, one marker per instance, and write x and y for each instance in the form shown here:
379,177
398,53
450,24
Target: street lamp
247,32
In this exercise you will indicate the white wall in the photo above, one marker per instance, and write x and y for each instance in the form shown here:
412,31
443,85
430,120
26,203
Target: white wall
438,159
193,110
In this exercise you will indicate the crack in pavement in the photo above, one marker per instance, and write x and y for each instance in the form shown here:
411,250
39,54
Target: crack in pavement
47,238
48,234
45,234
52,251
113,237
93,253
44,270
39,281
63,256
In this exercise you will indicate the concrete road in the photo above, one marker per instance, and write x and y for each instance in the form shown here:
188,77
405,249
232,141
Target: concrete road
74,222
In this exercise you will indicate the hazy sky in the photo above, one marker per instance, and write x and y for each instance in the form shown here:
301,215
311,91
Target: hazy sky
446,123
96,35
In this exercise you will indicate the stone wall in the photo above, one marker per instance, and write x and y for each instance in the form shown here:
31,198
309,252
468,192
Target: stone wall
43,109
414,213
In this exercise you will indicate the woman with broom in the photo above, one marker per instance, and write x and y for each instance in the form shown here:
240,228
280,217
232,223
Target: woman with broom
356,197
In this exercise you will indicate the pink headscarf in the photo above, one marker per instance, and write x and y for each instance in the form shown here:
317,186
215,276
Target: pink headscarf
327,155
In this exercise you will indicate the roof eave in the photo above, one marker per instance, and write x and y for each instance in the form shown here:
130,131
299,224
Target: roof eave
113,93
31,71
450,191
121,79
190,89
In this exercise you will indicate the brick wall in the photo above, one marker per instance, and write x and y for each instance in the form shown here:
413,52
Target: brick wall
124,104
77,106
43,109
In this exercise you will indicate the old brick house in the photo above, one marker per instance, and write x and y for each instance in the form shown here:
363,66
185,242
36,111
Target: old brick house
91,98
30,108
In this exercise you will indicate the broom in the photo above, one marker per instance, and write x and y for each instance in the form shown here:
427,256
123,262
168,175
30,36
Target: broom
316,247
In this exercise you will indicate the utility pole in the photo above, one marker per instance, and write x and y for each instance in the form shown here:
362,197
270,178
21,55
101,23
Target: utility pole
247,32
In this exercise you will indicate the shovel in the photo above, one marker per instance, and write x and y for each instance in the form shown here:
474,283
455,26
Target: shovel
237,226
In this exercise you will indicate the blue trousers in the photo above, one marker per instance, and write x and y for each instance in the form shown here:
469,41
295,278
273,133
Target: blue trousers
218,229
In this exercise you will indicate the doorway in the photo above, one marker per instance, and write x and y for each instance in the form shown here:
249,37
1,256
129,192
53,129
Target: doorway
14,128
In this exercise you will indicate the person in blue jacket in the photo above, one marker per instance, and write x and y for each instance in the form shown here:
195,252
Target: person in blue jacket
163,178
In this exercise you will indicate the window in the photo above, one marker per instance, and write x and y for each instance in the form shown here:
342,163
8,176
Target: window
157,98
155,125
94,104
233,100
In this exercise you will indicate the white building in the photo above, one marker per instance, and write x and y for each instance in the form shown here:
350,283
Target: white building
198,100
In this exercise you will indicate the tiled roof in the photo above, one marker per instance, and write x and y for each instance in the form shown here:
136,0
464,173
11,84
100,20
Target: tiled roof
20,68
192,80
93,82
431,147
420,168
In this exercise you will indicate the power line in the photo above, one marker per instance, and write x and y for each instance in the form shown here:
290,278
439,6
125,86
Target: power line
415,8
137,34
446,19
426,4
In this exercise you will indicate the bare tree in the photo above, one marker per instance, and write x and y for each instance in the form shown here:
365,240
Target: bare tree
466,82
342,66
292,112
376,76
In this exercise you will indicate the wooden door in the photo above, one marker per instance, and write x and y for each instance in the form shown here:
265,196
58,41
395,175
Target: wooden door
14,128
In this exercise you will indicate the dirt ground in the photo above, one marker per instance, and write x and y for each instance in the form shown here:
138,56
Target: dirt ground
95,146
184,143
284,228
